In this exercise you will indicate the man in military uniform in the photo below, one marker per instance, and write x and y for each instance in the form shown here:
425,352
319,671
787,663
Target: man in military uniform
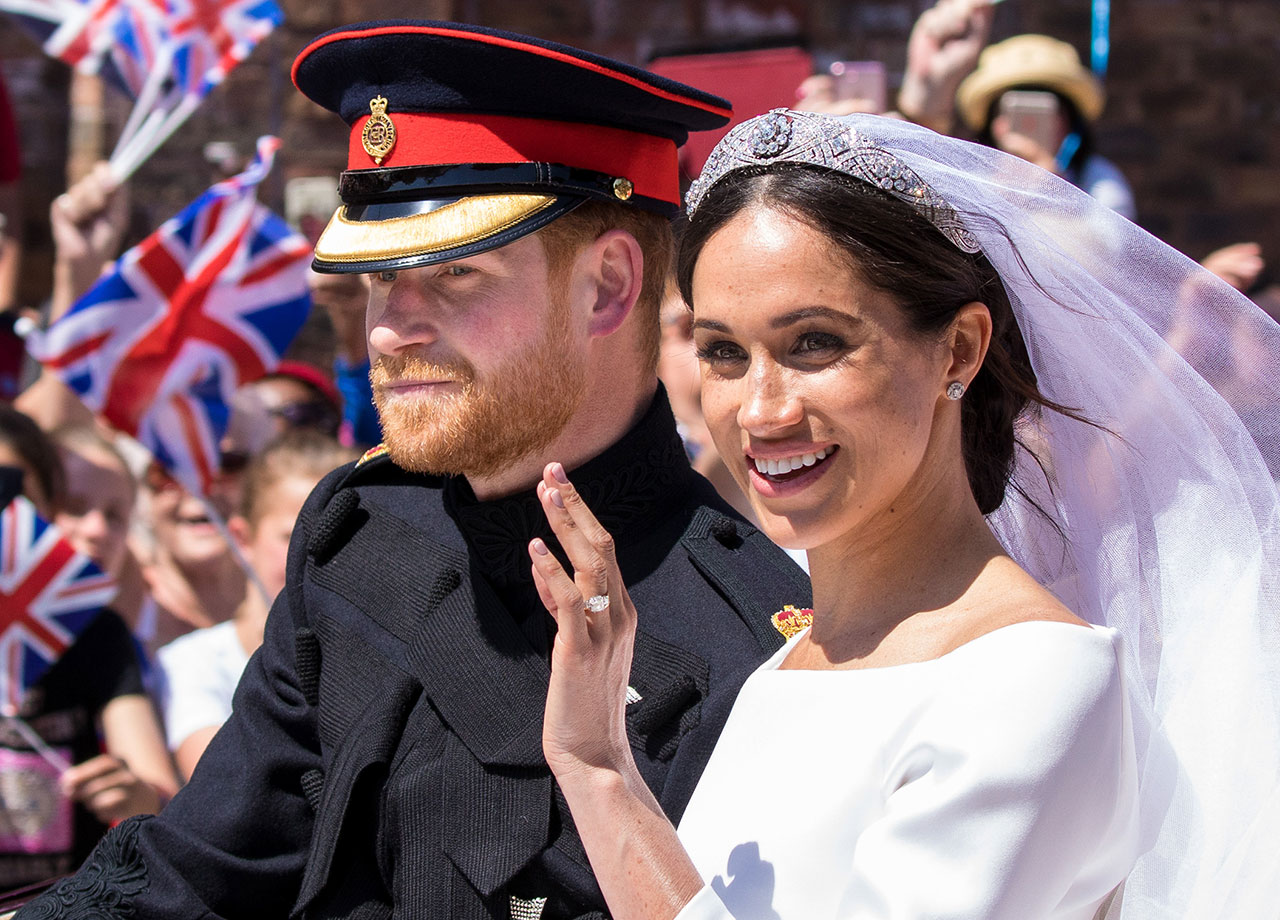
509,199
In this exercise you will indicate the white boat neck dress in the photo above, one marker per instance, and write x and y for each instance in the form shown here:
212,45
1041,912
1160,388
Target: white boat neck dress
995,782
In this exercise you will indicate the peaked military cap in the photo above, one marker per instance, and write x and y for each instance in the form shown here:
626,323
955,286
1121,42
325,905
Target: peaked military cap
465,138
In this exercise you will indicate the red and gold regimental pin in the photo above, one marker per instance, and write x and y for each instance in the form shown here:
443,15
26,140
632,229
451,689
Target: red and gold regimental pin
790,620
379,134
373,453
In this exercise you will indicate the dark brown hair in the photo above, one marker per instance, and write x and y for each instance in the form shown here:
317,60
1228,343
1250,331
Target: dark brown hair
566,236
896,250
37,451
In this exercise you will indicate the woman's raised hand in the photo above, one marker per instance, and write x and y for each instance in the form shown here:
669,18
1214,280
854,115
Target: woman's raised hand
584,733
585,724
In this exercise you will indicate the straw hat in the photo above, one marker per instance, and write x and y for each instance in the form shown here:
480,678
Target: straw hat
1028,60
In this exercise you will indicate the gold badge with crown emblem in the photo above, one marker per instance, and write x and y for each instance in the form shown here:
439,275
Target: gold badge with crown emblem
791,620
379,134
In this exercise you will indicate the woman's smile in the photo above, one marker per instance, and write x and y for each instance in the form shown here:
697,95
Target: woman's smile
777,476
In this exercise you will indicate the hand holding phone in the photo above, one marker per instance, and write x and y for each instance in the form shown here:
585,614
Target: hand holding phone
1035,115
861,83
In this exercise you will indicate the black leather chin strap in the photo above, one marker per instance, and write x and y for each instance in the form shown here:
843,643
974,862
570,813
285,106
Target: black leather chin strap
423,186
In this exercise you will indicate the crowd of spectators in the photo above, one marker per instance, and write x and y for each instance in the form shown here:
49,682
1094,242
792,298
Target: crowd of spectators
130,705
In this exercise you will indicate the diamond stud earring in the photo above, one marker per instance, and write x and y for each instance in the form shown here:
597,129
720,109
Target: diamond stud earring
955,389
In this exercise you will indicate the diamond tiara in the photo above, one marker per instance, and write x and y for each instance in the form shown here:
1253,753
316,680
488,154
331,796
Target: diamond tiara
783,135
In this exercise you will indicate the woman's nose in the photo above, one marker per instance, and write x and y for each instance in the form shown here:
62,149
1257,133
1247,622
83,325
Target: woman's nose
769,403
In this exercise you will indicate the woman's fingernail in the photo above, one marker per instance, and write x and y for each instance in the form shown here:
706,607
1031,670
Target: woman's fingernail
556,498
557,470
539,547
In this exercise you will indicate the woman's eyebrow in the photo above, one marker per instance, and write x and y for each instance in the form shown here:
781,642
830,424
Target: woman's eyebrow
789,318
804,313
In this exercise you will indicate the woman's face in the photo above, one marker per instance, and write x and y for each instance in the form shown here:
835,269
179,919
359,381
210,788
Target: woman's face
99,504
819,396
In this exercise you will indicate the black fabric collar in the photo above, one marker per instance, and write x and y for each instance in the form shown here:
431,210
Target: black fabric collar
626,487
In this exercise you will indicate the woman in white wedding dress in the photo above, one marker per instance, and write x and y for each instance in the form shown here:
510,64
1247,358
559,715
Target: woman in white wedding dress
891,325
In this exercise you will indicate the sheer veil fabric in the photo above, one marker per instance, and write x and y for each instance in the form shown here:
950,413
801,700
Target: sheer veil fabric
1168,507
1163,518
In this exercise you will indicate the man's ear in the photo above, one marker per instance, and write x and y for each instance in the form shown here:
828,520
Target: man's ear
615,267
968,339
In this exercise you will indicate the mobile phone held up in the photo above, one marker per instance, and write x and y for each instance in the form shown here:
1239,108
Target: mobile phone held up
861,80
1035,115
13,330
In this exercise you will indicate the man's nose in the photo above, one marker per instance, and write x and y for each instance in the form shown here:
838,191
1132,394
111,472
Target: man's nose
400,318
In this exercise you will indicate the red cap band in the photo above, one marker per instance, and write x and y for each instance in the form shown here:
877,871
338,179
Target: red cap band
437,139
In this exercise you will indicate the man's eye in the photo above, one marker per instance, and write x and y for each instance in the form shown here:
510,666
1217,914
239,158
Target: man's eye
387,276
458,270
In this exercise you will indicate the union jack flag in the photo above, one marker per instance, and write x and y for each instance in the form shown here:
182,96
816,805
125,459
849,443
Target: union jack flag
206,303
49,594
192,44
136,45
213,36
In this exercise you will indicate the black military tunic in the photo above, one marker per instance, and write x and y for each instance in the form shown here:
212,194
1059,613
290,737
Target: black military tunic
384,757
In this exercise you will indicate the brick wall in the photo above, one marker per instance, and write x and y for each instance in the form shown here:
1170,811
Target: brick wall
1193,115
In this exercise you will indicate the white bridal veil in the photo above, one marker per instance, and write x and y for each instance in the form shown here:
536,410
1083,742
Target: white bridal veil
1167,502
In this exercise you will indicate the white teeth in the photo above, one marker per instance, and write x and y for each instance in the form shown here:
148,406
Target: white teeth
788,464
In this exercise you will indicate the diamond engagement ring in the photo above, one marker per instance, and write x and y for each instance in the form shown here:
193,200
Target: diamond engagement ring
598,603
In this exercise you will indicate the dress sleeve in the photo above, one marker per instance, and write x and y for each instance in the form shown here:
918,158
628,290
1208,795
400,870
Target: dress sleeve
1018,799
211,854
1015,799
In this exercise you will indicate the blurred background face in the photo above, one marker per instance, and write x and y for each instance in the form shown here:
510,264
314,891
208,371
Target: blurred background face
289,403
265,409
98,506
181,523
677,356
265,541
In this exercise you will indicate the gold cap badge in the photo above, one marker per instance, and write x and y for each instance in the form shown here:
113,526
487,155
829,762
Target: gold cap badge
379,134
622,189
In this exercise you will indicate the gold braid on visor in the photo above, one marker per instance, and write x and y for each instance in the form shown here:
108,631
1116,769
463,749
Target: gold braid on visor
459,223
